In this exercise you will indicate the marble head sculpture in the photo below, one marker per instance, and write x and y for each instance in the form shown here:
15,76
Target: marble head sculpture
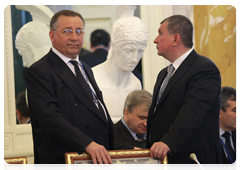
32,40
129,37
128,31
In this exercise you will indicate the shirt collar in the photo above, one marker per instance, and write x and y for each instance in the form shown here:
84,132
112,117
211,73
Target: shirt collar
221,132
63,57
132,133
179,61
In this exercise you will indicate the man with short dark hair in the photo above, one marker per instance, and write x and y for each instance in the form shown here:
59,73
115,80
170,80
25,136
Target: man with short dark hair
184,115
66,106
100,44
227,123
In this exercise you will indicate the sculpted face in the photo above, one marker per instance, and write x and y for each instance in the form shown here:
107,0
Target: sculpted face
129,37
69,45
128,55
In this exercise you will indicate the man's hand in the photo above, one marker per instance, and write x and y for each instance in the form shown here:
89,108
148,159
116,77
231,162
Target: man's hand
98,153
159,150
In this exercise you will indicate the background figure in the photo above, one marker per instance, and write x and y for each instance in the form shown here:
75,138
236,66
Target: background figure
129,39
66,106
100,44
131,130
227,123
84,52
23,116
184,115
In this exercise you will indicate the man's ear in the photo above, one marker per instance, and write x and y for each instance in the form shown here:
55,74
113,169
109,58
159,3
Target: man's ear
220,115
176,39
19,116
51,35
126,112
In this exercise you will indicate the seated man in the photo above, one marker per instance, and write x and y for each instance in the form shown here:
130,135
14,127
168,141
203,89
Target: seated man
130,131
227,124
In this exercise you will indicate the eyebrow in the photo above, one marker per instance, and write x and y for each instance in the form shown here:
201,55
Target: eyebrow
79,28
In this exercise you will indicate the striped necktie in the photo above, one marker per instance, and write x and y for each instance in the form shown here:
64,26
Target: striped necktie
170,70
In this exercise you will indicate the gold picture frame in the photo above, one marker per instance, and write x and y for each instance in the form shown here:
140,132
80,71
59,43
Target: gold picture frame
130,156
15,163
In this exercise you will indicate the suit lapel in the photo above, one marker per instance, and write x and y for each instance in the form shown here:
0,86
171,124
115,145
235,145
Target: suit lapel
182,69
63,71
124,131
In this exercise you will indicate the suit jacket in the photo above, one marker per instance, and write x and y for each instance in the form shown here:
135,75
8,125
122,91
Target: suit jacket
123,139
95,58
187,115
84,52
63,116
225,160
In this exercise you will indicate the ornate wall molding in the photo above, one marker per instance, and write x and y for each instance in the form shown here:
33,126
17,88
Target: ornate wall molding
17,138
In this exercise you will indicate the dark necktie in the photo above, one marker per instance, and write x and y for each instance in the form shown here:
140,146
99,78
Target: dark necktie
170,70
140,136
87,88
232,153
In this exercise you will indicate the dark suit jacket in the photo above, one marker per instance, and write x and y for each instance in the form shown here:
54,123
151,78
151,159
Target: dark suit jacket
63,117
187,115
225,160
95,58
123,139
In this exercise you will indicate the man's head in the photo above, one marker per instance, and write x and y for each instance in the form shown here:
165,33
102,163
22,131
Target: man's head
22,108
100,38
174,31
66,32
136,109
228,109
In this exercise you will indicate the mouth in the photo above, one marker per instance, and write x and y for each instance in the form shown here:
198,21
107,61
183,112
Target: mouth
73,45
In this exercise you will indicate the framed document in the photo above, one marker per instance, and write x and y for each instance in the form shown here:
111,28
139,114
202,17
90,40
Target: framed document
131,156
17,163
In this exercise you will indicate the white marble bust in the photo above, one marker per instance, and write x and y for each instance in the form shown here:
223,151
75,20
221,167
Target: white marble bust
129,37
32,40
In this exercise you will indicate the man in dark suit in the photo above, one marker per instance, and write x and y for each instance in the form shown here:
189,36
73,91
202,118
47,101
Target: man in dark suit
100,44
227,123
130,131
67,110
184,117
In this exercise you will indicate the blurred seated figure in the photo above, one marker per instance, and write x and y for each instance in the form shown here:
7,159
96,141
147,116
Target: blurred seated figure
23,116
130,131
100,43
129,37
227,123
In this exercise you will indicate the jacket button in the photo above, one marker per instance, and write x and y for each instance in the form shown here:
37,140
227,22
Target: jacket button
76,104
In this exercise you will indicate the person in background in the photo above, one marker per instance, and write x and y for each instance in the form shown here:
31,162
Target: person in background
100,44
227,123
23,116
130,131
84,52
184,115
66,106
